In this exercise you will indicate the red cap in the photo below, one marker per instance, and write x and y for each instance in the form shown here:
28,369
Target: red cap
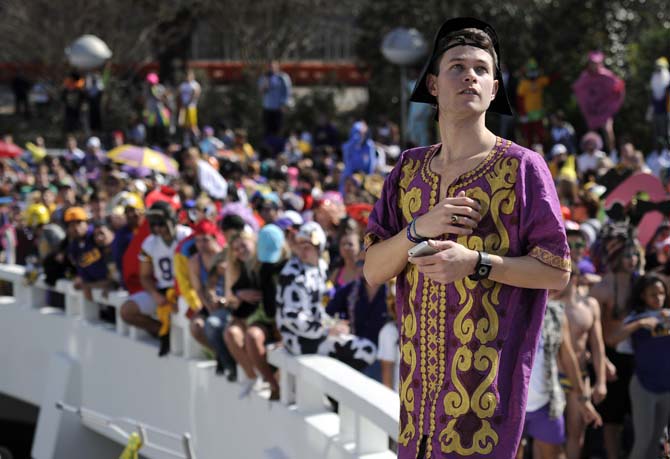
209,228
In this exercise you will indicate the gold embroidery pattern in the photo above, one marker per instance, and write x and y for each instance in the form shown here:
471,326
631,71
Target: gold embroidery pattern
408,354
409,203
550,259
501,177
442,346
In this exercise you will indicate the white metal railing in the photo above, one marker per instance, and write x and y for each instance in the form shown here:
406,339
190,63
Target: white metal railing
368,412
97,420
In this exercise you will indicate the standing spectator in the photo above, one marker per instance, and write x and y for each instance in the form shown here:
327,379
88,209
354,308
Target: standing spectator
189,93
585,334
359,152
660,103
530,103
21,88
156,267
73,98
94,88
275,88
561,131
649,329
544,411
622,259
156,111
600,94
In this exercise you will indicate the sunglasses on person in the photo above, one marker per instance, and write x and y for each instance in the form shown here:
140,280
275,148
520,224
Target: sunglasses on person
577,244
157,223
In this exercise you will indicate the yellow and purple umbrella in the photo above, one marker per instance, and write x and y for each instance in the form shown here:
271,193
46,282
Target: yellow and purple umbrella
142,157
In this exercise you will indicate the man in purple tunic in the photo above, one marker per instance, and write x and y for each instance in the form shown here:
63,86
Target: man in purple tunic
470,315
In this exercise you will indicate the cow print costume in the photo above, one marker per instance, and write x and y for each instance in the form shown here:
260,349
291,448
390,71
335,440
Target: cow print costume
301,314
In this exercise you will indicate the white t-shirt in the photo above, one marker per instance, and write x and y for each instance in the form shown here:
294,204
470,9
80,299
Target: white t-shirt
538,396
187,92
161,256
388,349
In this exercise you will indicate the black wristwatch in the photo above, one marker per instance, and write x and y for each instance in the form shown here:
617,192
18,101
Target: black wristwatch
483,268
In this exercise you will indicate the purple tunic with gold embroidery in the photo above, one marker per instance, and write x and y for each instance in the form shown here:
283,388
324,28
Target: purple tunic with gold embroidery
467,348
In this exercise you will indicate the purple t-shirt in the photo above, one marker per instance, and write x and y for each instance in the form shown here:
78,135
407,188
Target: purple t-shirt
467,348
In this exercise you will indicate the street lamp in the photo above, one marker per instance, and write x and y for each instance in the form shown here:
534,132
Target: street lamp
403,47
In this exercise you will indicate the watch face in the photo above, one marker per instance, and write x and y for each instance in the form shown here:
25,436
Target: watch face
483,271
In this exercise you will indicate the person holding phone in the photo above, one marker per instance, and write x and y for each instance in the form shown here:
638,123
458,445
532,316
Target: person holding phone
470,316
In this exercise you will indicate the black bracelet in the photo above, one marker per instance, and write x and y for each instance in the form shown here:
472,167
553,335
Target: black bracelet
416,234
410,236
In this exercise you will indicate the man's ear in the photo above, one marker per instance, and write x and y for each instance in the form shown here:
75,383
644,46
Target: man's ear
431,84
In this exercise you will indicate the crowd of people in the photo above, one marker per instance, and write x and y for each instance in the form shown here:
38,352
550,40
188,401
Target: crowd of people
270,250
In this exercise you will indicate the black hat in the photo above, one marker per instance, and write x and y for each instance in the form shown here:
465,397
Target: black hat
420,94
161,211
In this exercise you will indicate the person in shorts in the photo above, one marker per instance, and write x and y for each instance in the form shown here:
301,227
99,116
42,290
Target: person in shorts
156,267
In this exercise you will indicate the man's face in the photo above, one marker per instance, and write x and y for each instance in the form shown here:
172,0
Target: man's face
103,236
133,217
162,229
465,85
77,229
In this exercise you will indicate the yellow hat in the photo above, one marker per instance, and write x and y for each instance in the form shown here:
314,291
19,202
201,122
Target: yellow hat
74,214
662,62
37,214
39,153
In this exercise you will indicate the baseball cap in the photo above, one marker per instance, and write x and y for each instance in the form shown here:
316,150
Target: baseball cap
270,244
312,232
75,214
288,219
93,142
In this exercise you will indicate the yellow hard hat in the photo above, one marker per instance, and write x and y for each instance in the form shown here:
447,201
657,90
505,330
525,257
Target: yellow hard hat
37,214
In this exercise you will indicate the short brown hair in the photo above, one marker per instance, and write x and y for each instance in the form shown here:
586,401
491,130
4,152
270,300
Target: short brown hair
470,36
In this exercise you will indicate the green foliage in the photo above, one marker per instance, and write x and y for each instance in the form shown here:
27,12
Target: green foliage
558,33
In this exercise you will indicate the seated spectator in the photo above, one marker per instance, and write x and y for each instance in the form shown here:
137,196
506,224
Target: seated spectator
214,297
133,210
243,296
209,243
210,144
156,267
272,253
349,249
85,254
300,312
589,160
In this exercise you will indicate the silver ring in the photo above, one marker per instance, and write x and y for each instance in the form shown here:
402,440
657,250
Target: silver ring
454,219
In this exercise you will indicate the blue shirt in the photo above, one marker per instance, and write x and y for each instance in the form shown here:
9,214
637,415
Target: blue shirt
366,316
88,259
278,90
652,365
